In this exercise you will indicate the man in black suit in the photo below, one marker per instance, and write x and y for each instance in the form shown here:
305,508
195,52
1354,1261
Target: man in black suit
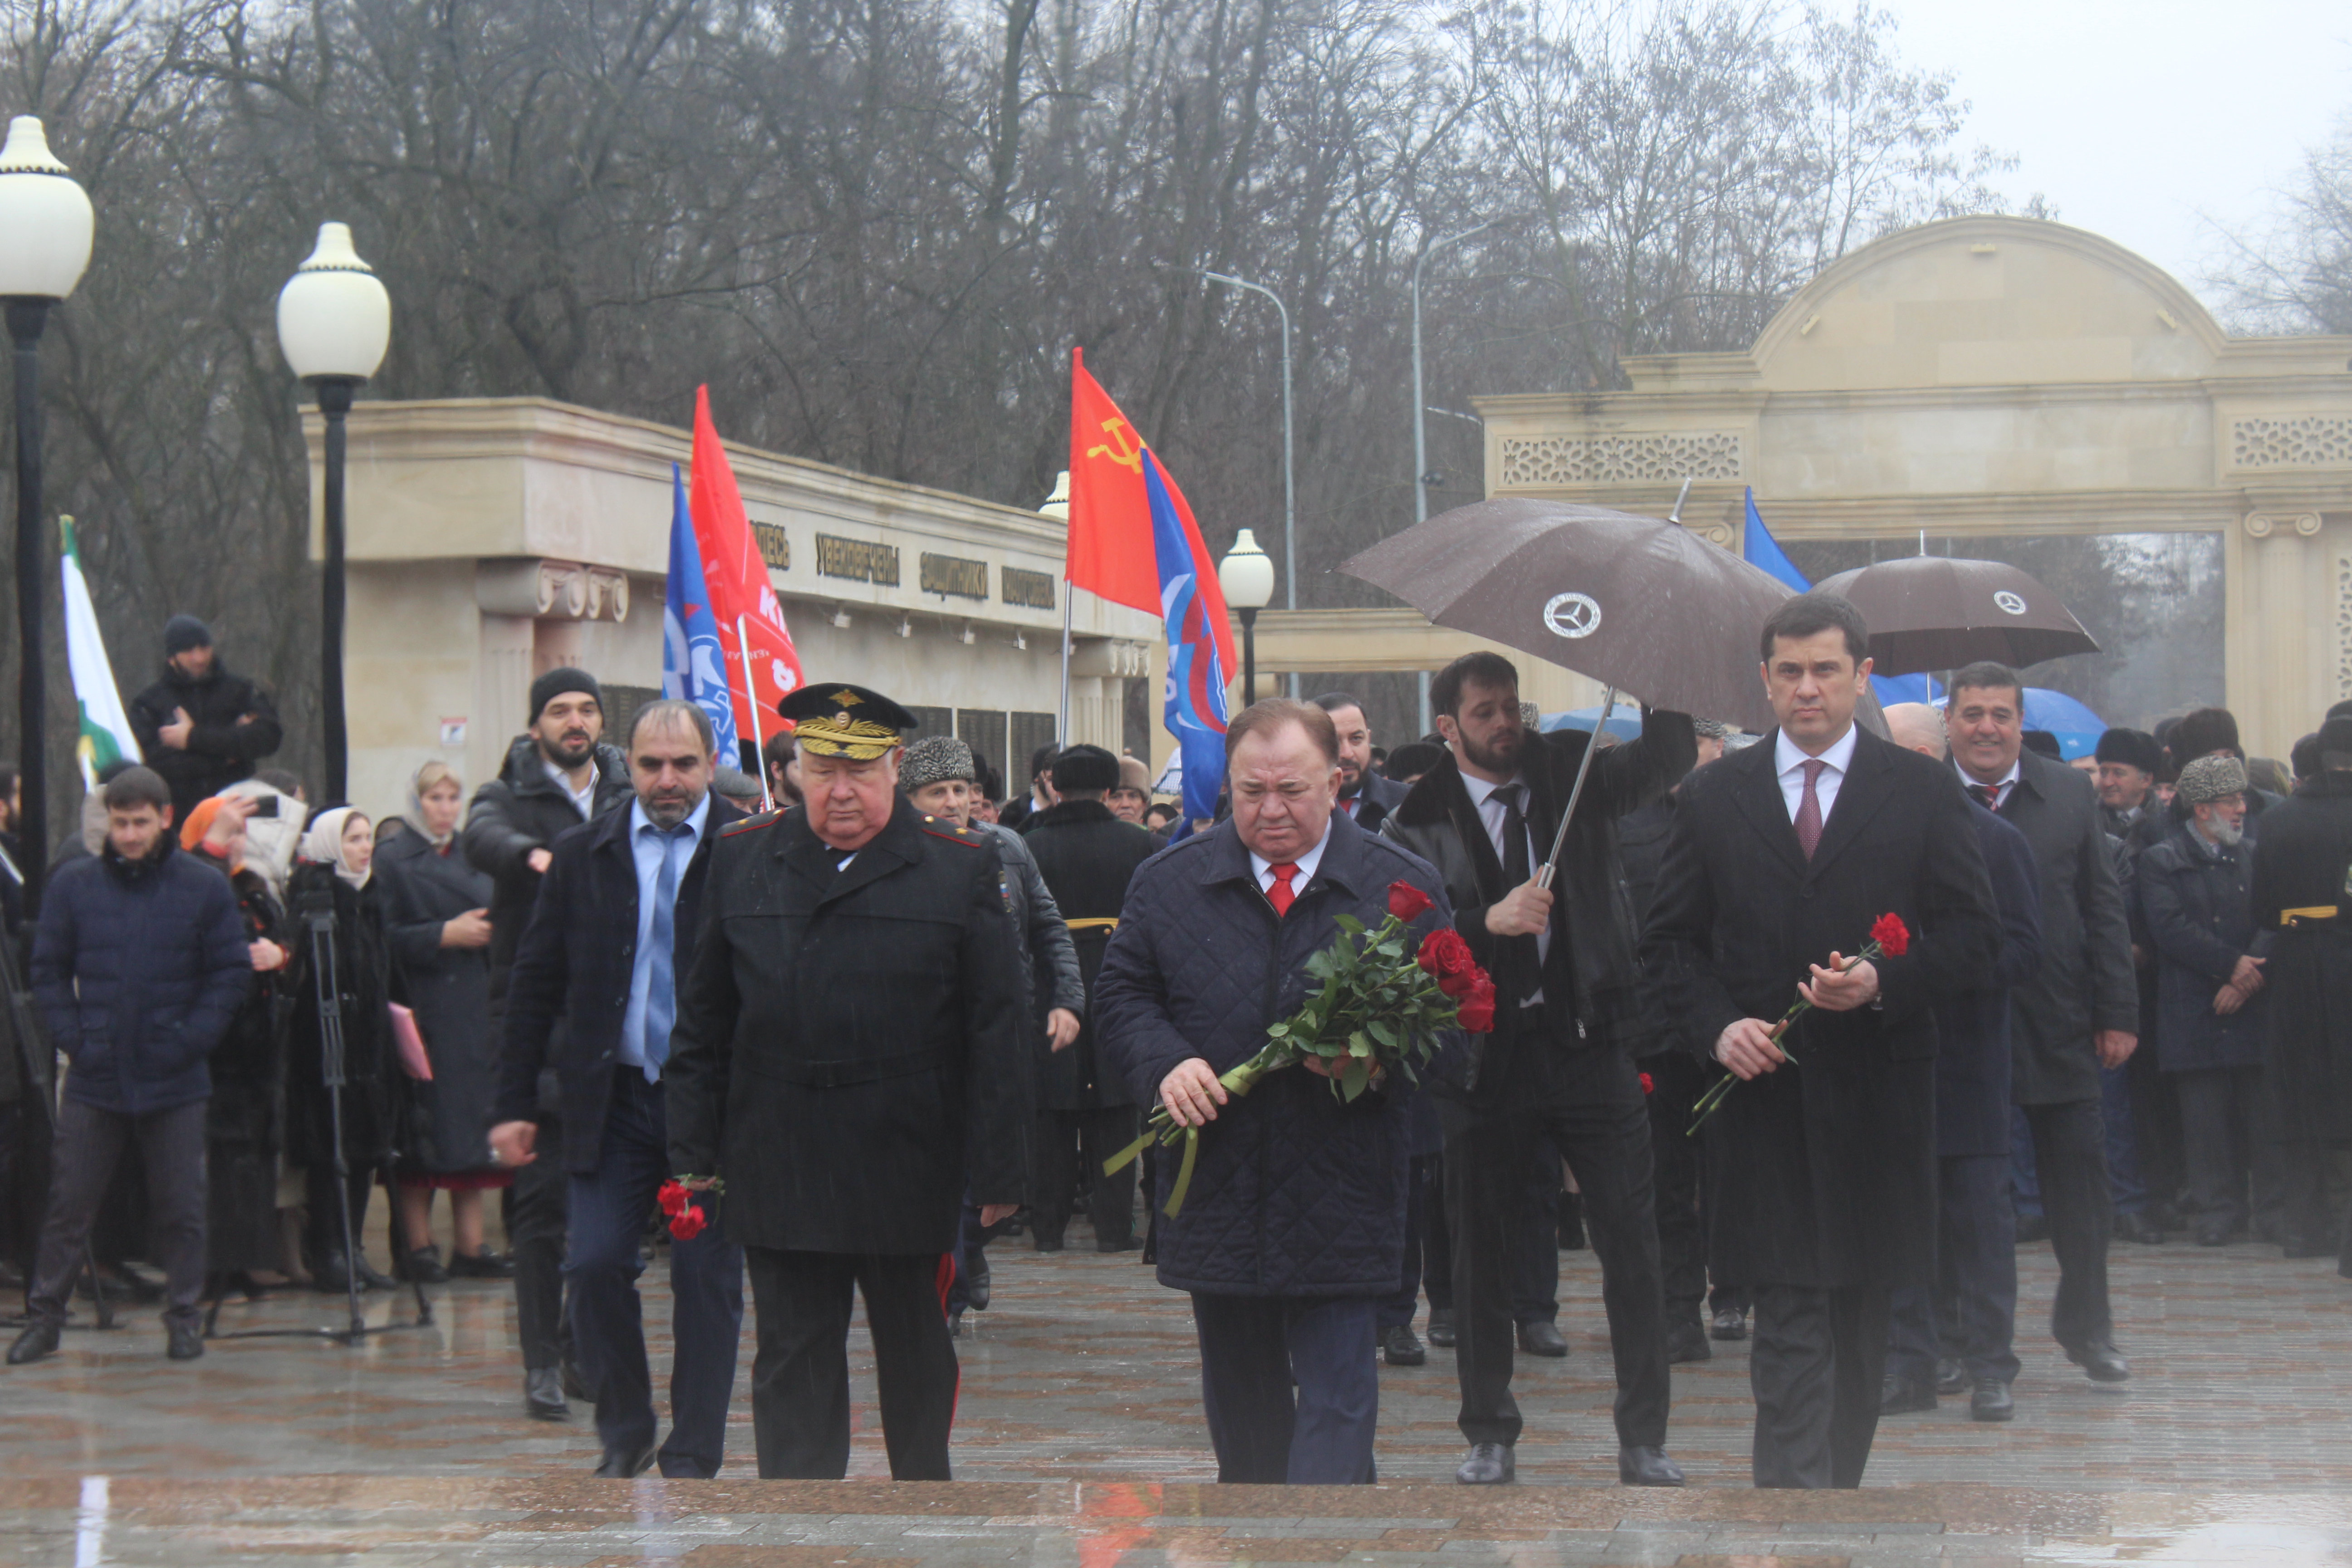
1823,1176
2079,1013
1364,794
610,935
1555,1073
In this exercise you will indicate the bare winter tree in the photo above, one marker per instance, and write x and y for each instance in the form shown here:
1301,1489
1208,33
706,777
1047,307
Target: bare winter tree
2295,275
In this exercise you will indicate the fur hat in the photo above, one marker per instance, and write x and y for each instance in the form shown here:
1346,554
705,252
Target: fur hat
2132,747
935,760
1086,769
2211,778
1133,773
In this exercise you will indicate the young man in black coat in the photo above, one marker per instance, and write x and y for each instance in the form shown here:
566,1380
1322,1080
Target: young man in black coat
851,1056
614,928
1556,1072
2079,1013
1821,1162
139,964
200,727
1364,794
1085,1113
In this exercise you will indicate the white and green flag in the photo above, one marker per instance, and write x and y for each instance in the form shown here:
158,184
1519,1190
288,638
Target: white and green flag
105,729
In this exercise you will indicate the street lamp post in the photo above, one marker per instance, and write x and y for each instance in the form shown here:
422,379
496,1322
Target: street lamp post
45,235
1419,436
334,322
1289,470
1246,577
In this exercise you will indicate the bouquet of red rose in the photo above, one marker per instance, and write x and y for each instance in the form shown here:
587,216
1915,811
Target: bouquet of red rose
1889,937
687,1218
1379,1008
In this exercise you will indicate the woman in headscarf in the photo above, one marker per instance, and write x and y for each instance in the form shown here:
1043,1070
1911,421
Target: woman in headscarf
436,914
335,873
245,1120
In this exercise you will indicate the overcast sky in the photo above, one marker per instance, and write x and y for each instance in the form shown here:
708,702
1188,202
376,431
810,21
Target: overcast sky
2142,121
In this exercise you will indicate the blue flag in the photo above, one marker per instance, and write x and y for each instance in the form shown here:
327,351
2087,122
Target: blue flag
1761,549
694,661
1194,705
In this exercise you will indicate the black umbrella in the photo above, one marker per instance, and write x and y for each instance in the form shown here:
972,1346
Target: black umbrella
1939,612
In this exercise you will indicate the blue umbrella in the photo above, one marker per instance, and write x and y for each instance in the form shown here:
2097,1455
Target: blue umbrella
1625,723
2076,728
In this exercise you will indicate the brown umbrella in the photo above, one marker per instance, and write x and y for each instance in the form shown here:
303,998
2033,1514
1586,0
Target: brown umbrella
1645,606
1939,612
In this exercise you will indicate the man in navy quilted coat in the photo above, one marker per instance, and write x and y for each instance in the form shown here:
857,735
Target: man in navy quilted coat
1294,1227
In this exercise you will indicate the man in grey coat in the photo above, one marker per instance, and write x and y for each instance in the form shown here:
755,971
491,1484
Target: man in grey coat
2079,1013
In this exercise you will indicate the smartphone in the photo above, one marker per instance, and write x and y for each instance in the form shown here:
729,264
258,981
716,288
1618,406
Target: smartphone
267,805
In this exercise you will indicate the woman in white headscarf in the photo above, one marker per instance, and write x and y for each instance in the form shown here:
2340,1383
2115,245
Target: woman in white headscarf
335,873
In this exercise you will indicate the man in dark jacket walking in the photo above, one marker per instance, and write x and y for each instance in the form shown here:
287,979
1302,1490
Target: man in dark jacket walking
1085,1113
615,926
200,727
1364,794
2080,1012
850,1057
558,774
1557,1067
1293,1229
139,964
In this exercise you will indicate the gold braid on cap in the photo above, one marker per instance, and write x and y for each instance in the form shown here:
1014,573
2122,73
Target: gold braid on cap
843,734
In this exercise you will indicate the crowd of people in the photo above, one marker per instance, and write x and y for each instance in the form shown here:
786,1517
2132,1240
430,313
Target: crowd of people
861,1014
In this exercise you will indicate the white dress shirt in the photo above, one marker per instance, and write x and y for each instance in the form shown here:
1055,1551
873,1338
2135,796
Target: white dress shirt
1306,863
583,801
1490,812
1790,762
2002,786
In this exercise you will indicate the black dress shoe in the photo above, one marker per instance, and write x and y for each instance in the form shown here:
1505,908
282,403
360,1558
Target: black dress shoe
423,1265
975,1287
1489,1465
1441,1327
575,1382
1728,1323
622,1464
1687,1341
1951,1377
2100,1362
1540,1338
1046,1241
1400,1347
542,1394
2212,1235
1992,1402
327,1276
1900,1396
1647,1468
1132,1243
371,1280
2036,1227
485,1265
2138,1228
184,1342
39,1340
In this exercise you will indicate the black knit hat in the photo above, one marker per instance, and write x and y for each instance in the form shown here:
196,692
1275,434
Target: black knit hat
2335,744
2132,747
1086,768
182,633
556,682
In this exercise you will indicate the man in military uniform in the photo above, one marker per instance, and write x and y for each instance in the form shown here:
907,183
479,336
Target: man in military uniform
850,1052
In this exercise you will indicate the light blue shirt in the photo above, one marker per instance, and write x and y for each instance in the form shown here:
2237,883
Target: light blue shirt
647,845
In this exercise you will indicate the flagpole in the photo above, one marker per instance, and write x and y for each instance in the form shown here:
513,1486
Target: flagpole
1062,726
751,705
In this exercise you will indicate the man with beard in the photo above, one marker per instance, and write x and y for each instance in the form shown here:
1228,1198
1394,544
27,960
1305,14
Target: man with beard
1364,794
200,727
556,777
1555,1067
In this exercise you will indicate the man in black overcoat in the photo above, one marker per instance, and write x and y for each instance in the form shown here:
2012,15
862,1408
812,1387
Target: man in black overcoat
850,1054
1085,1112
2303,907
1556,1070
2080,1012
1821,1163
1364,794
1960,1335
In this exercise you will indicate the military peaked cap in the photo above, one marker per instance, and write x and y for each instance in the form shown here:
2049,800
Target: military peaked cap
836,720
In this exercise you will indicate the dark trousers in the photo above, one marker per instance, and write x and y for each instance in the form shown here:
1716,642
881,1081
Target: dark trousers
1290,1387
2231,1141
609,1207
1591,1112
1970,1312
2070,1152
800,1379
1535,1249
1436,1235
1072,1144
1396,1311
537,1209
1678,1080
323,1235
1819,1357
90,1144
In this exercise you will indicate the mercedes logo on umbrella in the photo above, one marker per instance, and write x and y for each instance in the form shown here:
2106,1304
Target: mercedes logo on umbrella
2009,603
1572,615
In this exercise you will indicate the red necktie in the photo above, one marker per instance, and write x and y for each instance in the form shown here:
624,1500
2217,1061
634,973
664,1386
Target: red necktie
1809,810
1988,795
1283,893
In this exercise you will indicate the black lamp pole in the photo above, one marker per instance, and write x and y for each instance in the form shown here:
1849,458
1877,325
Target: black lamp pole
1249,653
26,317
334,402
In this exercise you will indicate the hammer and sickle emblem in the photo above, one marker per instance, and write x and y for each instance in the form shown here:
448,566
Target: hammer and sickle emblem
1118,451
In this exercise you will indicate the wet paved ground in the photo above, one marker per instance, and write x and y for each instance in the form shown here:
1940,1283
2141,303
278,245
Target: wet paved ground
1079,1443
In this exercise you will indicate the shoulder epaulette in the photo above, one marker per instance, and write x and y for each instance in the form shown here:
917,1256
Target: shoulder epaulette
951,832
766,819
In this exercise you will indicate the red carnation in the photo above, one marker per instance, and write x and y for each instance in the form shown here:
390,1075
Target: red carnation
674,1198
1477,1012
1407,902
688,1224
1648,1085
1892,937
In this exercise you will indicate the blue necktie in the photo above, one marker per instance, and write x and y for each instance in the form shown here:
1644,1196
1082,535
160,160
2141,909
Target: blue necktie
661,992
